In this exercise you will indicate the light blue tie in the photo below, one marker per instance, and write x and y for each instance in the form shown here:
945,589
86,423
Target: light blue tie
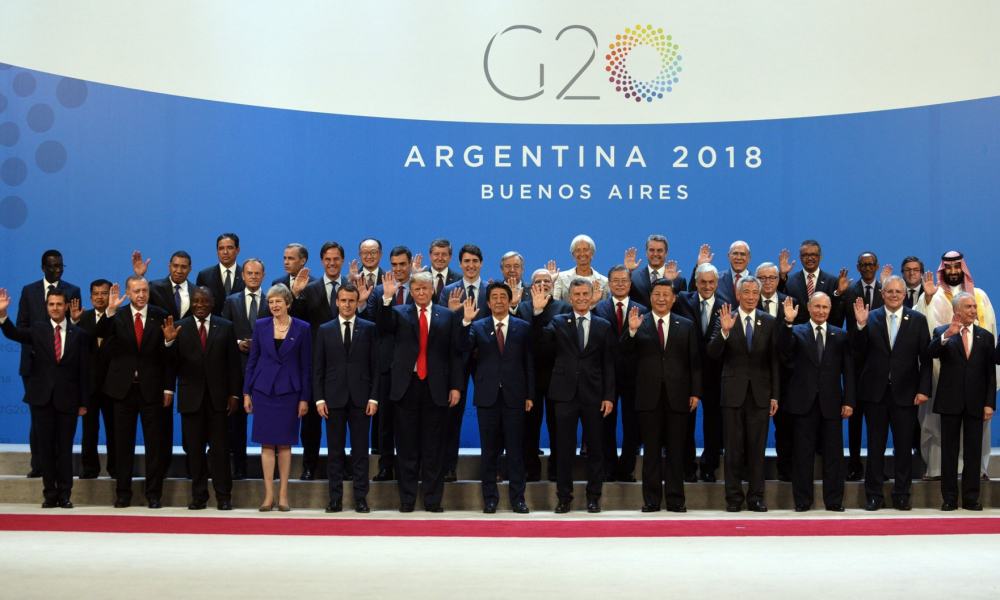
705,316
893,330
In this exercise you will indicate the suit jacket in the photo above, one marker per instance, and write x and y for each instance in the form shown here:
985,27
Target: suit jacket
235,311
545,357
907,364
31,309
756,369
211,277
378,275
829,381
279,372
286,279
338,375
370,313
641,285
445,372
161,294
512,372
484,310
906,297
453,276
624,368
214,371
795,286
676,368
781,303
313,305
98,351
150,364
583,376
65,384
965,385
857,290
688,305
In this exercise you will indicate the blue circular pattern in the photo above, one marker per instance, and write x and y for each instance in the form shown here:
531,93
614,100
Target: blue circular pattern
24,84
71,93
41,117
3,103
13,212
13,171
9,134
50,156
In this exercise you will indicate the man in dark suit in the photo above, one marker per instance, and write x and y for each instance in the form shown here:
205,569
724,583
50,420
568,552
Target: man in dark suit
345,379
890,345
140,380
614,309
242,309
294,261
912,270
426,378
667,380
31,309
771,302
209,384
582,386
657,267
454,296
100,405
745,342
512,273
811,279
224,279
58,390
739,261
371,273
441,272
504,382
820,396
965,398
542,405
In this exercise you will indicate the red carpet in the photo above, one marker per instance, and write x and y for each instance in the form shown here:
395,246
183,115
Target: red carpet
498,528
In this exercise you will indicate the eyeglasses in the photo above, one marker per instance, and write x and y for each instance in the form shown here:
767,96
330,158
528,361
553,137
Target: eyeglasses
768,278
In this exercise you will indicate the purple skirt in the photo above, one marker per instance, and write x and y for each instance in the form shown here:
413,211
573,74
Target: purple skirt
275,419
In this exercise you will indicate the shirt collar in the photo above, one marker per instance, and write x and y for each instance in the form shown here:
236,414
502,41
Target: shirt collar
744,315
48,283
208,319
466,283
327,281
657,317
896,312
343,320
583,316
814,325
145,309
60,324
223,268
504,320
248,291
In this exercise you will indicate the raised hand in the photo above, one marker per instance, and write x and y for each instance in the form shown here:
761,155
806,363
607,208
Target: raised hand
727,318
139,266
791,311
552,268
705,254
301,281
517,291
352,272
469,310
843,282
599,291
784,262
389,285
455,299
114,300
885,274
954,327
75,310
4,302
634,319
671,270
418,263
364,291
860,312
630,261
539,297
170,331
929,287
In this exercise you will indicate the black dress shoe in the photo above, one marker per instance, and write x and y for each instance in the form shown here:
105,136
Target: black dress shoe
855,472
552,477
224,505
384,475
65,503
902,504
122,502
490,508
335,506
562,508
757,506
593,506
734,507
361,506
835,508
648,508
450,477
434,508
801,507
307,475
50,504
196,506
406,507
154,503
972,506
677,508
784,478
708,476
34,474
521,508
874,503
533,477
89,475
949,506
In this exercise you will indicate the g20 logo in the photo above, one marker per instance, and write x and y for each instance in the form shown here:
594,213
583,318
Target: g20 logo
618,66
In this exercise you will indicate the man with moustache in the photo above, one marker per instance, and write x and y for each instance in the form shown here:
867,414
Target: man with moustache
657,267
224,278
100,405
772,302
810,279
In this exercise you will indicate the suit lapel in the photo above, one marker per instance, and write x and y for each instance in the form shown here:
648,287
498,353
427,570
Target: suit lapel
883,330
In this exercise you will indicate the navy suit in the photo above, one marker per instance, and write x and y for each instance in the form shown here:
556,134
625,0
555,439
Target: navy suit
855,423
641,285
452,277
503,382
346,378
236,310
101,407
965,386
795,286
818,387
784,423
211,277
421,405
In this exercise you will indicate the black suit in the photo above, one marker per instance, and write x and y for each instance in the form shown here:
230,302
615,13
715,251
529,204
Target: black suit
625,390
784,423
421,405
542,405
211,277
236,310
889,379
750,380
136,379
57,388
345,377
641,284
796,287
872,301
287,280
581,380
965,386
665,378
917,293
100,404
821,383
207,377
451,278
161,294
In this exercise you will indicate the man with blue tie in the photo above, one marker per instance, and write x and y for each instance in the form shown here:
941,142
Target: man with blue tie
582,385
504,383
890,343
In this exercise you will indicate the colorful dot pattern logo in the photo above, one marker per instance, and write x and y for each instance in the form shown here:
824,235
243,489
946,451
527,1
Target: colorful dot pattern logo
618,59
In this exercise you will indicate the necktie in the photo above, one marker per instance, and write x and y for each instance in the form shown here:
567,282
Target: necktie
705,316
347,337
500,338
966,341
581,338
202,334
52,286
138,329
810,285
819,341
748,332
254,309
440,285
868,296
654,276
97,319
659,330
422,355
909,295
371,280
736,279
767,306
177,298
621,317
331,298
228,283
399,296
472,293
893,329
58,343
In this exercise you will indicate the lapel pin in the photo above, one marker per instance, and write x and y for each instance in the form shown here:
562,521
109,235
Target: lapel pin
758,323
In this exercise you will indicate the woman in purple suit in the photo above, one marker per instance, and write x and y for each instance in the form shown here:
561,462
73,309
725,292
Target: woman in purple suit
276,389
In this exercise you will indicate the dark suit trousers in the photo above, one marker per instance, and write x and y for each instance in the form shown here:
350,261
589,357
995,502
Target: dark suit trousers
54,433
711,429
542,405
806,427
879,418
746,437
237,425
100,406
854,431
127,411
36,459
663,428
615,467
568,414
501,427
453,433
784,441
967,431
207,426
353,417
166,437
311,434
383,426
420,428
